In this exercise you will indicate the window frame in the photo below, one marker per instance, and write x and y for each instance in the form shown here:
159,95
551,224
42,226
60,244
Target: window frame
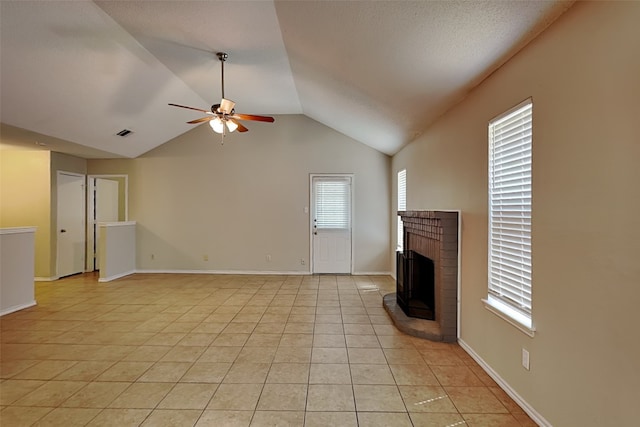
509,266
402,206
334,212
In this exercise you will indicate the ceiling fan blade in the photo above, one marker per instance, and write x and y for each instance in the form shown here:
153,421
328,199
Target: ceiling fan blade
223,114
226,106
201,120
253,117
191,108
241,127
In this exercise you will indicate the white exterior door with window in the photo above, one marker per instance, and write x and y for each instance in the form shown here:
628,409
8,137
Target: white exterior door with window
331,223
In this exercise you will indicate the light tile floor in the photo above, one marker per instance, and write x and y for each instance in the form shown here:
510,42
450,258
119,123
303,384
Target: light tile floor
208,350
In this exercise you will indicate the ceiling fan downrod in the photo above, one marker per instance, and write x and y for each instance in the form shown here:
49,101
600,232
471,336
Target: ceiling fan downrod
222,56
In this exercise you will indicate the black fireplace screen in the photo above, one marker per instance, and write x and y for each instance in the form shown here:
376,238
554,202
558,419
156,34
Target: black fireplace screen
415,285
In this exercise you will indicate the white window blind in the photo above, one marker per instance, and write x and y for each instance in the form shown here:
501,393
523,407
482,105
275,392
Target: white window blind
510,139
402,202
332,203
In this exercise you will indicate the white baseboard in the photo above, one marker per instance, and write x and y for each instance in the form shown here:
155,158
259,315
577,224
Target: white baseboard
231,272
535,416
17,307
257,272
116,276
45,279
371,273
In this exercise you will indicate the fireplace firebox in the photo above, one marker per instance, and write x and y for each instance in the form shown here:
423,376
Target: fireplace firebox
425,303
415,291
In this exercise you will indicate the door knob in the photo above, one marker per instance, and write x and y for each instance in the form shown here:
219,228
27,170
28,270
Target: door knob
63,231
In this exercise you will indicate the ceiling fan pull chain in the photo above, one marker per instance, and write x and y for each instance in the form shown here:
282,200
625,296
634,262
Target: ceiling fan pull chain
224,131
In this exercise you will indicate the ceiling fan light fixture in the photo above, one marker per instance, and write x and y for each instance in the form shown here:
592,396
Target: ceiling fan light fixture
217,125
232,126
223,116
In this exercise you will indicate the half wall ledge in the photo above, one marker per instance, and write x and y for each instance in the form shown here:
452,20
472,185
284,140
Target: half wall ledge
420,328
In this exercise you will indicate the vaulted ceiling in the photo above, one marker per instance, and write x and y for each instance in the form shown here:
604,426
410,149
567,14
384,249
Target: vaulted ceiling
377,71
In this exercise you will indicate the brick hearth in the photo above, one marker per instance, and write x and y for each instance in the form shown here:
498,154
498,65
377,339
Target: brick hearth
433,234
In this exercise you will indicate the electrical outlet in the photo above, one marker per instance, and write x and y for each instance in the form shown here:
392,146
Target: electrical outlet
525,359
205,257
268,257
302,261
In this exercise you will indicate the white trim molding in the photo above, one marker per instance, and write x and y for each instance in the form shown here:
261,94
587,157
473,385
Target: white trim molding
18,307
535,416
231,272
116,276
46,279
511,316
372,273
17,230
241,272
116,224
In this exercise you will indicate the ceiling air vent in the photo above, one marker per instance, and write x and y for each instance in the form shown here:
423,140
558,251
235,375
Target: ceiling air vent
124,132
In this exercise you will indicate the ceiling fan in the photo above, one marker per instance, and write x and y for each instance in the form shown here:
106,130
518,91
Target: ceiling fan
223,116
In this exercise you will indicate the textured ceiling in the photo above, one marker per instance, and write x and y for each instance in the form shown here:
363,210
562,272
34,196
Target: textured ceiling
377,71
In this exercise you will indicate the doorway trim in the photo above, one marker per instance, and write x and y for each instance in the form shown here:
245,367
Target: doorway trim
90,222
311,211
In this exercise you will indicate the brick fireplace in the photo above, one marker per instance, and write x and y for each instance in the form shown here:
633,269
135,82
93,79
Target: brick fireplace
433,235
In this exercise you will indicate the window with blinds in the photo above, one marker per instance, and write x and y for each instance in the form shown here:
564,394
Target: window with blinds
402,203
510,139
332,203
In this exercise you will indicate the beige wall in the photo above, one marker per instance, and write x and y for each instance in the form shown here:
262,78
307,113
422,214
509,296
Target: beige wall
122,196
584,76
245,199
28,189
25,200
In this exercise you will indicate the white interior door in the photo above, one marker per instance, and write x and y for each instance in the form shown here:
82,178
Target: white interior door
70,226
331,223
106,209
